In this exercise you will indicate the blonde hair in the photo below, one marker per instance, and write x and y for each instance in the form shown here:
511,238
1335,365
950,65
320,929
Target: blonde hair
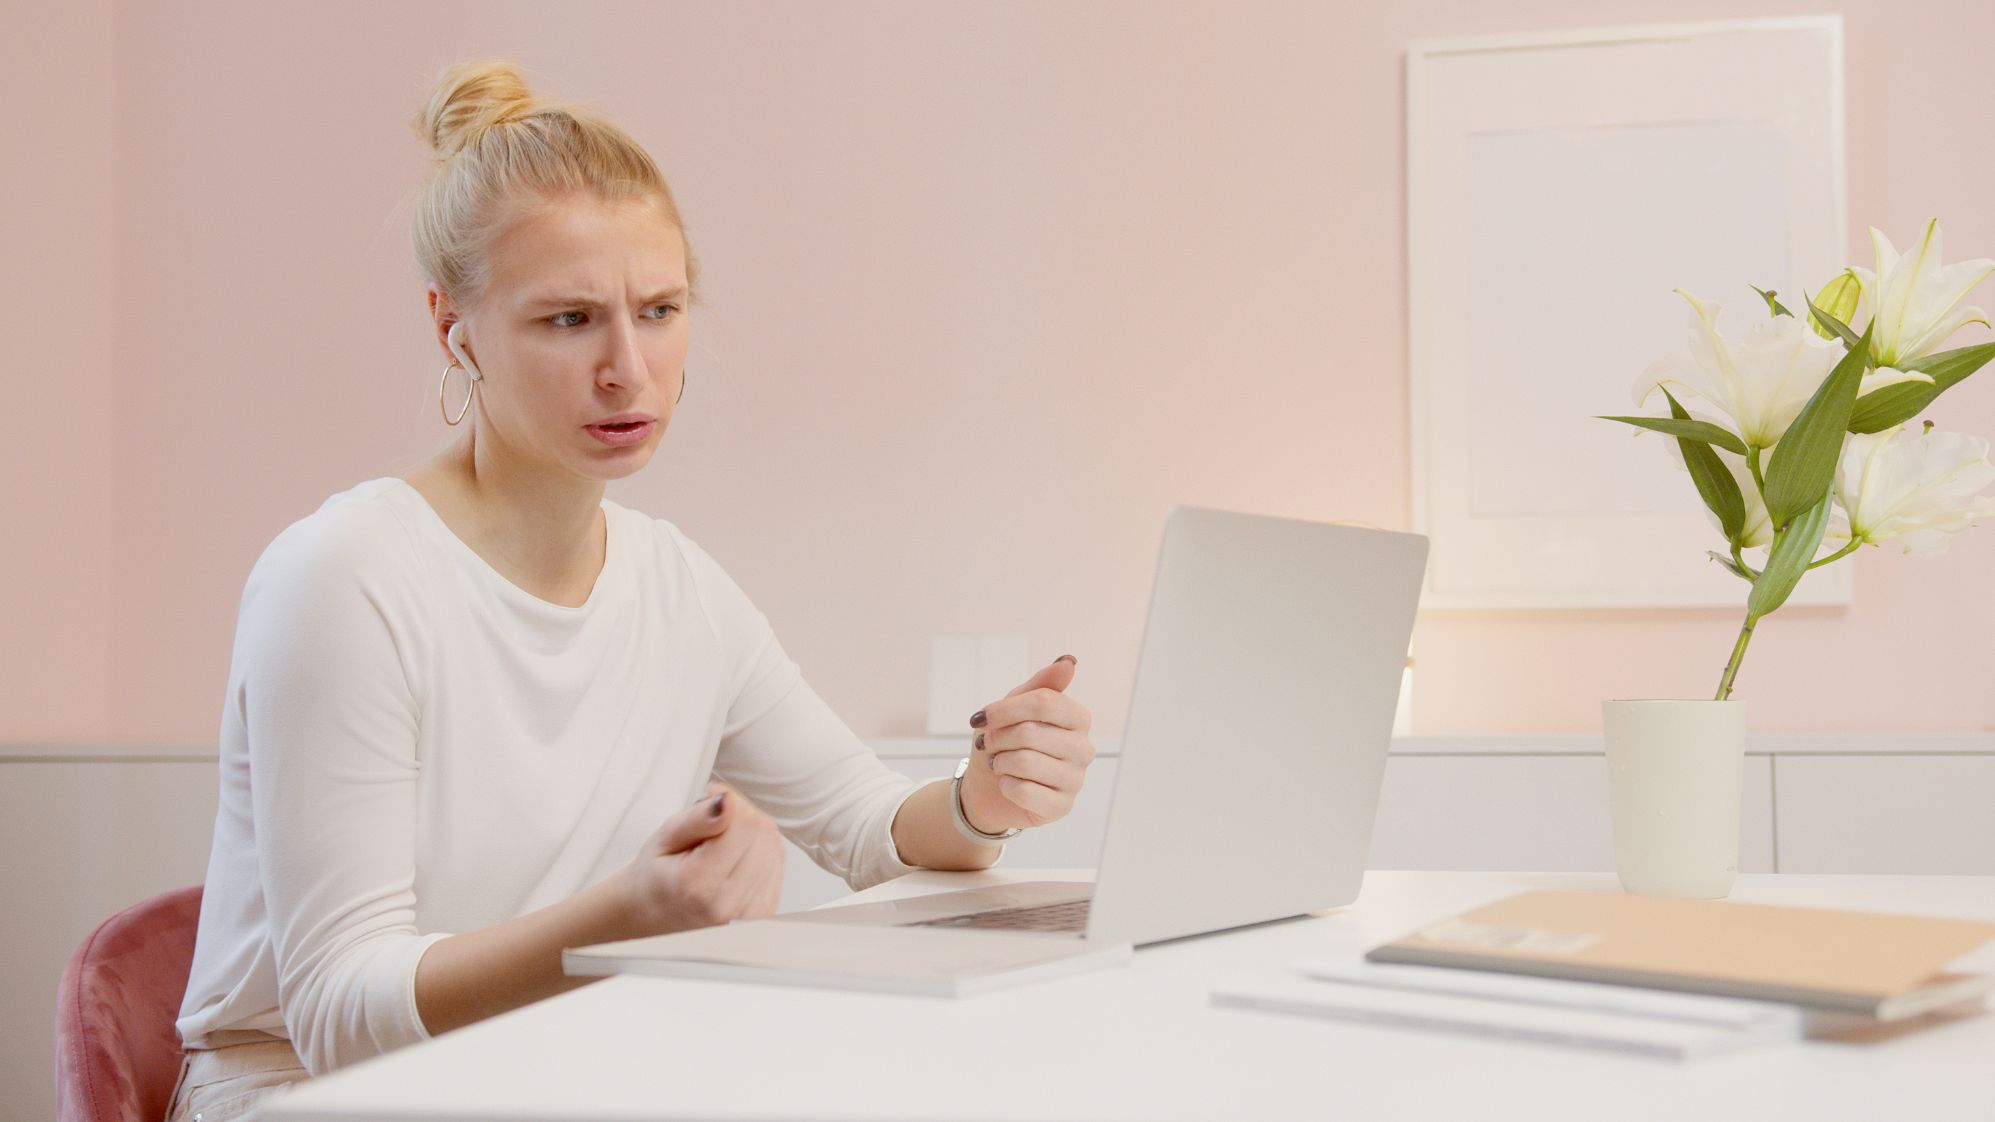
499,148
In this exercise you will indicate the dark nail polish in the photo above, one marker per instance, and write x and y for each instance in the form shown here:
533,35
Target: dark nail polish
719,801
1068,658
979,742
977,719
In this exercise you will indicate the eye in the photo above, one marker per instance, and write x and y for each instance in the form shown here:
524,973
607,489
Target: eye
560,319
663,311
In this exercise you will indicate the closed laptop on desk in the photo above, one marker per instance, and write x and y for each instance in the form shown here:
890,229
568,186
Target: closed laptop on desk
890,960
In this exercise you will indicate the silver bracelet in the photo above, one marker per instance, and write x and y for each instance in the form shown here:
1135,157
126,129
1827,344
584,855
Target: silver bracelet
956,815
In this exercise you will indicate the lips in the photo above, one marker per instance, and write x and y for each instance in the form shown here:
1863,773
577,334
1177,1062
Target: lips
630,429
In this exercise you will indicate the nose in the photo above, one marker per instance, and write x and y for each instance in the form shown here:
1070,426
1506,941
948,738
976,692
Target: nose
622,366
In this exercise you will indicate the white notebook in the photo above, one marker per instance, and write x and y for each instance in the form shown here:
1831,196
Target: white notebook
1548,1011
930,961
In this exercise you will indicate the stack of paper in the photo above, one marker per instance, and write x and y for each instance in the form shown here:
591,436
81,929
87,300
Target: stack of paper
1645,975
1575,1014
1869,964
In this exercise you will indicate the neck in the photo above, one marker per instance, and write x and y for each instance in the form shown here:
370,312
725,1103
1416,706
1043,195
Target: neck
558,506
544,531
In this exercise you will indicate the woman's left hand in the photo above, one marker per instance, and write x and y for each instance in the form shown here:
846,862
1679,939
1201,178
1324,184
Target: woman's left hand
1030,754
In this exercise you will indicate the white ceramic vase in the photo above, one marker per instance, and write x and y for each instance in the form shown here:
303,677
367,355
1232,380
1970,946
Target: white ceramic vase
1673,774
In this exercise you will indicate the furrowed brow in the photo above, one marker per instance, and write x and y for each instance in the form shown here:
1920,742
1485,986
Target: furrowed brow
559,300
578,300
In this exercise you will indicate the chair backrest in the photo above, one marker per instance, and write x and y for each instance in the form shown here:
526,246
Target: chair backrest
117,1054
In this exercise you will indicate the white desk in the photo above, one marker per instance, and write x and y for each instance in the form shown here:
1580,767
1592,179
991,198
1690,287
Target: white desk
1145,1042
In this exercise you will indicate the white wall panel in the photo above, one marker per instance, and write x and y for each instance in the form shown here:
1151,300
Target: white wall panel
1875,814
1540,813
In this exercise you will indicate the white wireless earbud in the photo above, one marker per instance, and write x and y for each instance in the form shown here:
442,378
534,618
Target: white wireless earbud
454,339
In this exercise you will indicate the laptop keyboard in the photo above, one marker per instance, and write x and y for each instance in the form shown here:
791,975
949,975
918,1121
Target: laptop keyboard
1069,915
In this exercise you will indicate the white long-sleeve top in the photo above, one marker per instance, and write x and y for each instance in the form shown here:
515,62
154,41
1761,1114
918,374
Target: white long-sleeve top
413,746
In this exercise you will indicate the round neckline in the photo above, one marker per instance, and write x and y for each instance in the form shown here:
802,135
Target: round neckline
477,560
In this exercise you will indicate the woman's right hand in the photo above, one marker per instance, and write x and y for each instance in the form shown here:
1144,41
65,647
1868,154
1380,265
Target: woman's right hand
720,859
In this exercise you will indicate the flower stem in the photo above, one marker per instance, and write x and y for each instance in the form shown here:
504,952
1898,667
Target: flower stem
1738,653
1759,477
1837,555
1739,556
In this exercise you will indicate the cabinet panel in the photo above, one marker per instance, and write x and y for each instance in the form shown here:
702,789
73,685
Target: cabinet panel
83,841
1526,813
1886,814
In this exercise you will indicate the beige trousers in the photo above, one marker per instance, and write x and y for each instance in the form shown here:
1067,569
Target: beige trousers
224,1084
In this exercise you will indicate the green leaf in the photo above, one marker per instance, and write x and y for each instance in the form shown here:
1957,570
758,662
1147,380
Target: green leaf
1837,328
1715,484
1894,405
1772,305
1839,298
1689,430
1804,462
1950,367
1792,549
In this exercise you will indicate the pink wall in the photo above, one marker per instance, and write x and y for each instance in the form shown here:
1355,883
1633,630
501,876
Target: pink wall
989,288
58,439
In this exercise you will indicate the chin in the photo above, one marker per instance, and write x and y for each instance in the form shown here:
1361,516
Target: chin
609,469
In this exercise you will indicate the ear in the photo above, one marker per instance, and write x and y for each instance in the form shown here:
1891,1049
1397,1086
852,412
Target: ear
442,313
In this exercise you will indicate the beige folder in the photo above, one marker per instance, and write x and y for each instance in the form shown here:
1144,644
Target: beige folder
1870,963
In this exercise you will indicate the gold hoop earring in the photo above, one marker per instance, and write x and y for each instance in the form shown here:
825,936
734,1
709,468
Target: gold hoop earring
682,387
443,383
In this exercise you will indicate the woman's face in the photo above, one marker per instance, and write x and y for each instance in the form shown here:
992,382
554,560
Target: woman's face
581,337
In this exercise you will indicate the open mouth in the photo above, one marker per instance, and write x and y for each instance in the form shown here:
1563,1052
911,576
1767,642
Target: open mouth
622,434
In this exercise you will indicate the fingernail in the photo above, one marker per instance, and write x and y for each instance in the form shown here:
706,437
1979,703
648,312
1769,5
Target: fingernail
977,719
979,742
1068,658
718,801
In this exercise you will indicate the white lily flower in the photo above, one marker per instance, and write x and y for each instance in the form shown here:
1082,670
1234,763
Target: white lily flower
1883,376
1913,298
1920,487
1760,383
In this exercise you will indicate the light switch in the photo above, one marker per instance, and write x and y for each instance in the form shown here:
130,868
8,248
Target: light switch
968,672
952,684
1000,666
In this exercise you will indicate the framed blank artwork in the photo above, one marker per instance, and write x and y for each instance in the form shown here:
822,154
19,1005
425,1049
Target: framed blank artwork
1559,187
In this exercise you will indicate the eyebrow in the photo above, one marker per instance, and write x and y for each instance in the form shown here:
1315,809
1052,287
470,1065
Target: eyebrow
577,300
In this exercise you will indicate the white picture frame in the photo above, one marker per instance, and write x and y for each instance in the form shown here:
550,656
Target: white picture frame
1559,186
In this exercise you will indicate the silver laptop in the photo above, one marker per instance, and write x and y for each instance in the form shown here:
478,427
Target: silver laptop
1255,745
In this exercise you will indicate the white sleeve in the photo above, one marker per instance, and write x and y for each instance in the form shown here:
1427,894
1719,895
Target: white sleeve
330,720
785,749
825,788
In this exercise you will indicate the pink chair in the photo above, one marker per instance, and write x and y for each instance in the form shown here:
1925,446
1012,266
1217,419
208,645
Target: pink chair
117,1055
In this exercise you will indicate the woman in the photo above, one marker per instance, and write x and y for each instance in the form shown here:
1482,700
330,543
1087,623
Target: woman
462,702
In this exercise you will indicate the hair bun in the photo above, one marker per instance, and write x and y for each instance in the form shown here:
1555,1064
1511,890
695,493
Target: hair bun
469,98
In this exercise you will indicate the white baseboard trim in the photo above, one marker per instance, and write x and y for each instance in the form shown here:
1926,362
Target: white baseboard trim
952,747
